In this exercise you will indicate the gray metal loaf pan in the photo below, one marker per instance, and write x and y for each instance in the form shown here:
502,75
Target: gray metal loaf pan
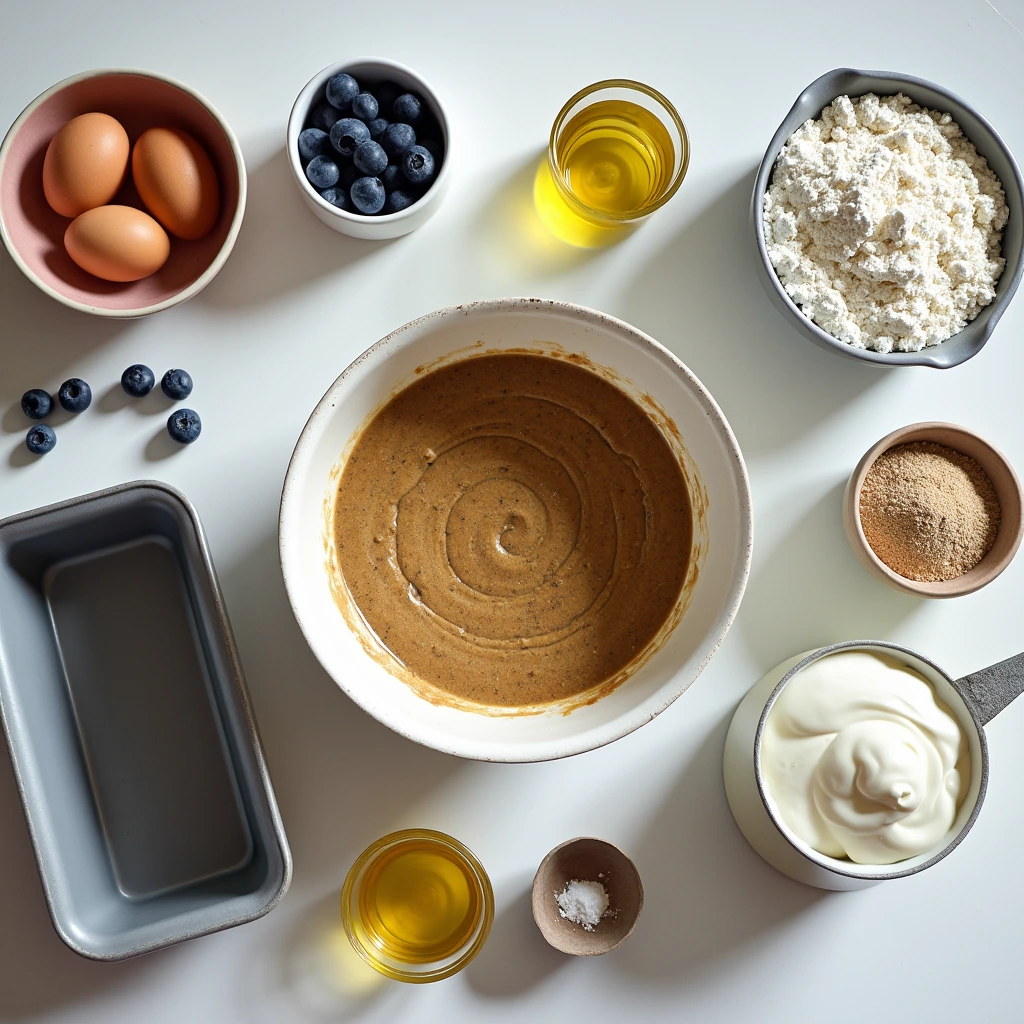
130,731
850,82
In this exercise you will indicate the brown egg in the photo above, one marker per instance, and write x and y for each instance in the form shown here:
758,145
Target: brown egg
85,164
117,243
176,181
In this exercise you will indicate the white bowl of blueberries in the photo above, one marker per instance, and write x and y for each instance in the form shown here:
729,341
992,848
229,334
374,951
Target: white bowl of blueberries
369,146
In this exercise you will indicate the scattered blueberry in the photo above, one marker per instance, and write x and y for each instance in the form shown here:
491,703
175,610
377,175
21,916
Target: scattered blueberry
337,197
184,426
342,90
364,106
370,158
406,108
386,93
40,439
377,128
397,138
347,134
176,384
324,115
391,177
397,200
137,380
75,395
368,195
313,142
418,165
36,404
322,172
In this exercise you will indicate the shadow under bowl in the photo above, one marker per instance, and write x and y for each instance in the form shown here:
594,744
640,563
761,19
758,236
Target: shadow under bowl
34,234
591,860
997,469
851,82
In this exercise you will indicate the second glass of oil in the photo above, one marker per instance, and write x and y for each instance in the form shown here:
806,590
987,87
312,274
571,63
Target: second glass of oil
417,905
618,152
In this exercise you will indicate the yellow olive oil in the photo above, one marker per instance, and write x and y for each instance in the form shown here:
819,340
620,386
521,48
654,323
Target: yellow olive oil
616,159
419,902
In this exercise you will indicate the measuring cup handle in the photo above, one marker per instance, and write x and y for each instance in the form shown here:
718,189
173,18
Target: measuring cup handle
992,689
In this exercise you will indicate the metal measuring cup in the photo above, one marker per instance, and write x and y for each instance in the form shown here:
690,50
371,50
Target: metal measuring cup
974,700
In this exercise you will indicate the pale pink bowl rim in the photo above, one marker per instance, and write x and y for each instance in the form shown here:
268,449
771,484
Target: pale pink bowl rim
218,261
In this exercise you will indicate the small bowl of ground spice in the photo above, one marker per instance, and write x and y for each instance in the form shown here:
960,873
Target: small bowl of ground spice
934,510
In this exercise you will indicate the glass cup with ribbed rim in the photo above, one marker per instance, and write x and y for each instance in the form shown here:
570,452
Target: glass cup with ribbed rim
562,211
373,947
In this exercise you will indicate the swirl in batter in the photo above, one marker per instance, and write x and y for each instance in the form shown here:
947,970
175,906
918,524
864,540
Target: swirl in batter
514,529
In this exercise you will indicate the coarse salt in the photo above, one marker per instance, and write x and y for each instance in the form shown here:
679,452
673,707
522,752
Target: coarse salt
583,903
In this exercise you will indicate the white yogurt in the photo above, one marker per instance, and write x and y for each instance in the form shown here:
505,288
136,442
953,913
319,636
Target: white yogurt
863,760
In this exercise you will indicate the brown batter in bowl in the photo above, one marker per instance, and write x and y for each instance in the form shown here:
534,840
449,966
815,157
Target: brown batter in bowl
513,528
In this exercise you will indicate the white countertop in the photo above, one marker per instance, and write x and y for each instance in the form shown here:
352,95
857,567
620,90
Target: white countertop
723,937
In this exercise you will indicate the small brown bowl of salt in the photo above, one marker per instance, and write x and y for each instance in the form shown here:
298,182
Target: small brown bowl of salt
934,510
587,896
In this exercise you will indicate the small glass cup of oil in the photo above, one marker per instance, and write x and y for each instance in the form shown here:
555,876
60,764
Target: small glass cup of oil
417,905
618,152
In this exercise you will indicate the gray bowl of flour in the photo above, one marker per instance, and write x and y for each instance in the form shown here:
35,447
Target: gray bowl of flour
850,82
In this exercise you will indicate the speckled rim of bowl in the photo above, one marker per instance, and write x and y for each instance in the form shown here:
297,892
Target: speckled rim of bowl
297,119
996,466
811,101
218,261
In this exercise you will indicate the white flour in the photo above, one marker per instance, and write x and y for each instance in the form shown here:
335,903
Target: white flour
883,224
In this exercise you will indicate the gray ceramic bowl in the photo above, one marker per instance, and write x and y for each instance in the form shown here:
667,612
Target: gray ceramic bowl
848,81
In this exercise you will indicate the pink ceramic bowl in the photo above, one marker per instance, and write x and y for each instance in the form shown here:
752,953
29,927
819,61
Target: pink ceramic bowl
34,234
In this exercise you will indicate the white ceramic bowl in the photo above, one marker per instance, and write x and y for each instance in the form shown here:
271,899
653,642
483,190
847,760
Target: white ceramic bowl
711,461
389,225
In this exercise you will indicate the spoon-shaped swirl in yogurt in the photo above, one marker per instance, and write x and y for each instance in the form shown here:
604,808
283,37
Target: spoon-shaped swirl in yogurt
863,760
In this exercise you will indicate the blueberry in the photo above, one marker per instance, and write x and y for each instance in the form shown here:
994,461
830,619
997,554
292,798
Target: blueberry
337,197
40,439
323,116
342,90
322,172
391,177
364,106
347,134
313,142
397,200
348,176
176,384
370,158
367,195
418,165
397,138
75,395
407,108
386,93
184,426
137,380
36,404
377,127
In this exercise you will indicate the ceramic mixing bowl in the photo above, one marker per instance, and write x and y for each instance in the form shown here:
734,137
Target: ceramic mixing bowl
34,234
848,81
692,424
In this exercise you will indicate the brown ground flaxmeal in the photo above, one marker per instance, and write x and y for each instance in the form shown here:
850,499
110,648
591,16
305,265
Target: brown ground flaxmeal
929,512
